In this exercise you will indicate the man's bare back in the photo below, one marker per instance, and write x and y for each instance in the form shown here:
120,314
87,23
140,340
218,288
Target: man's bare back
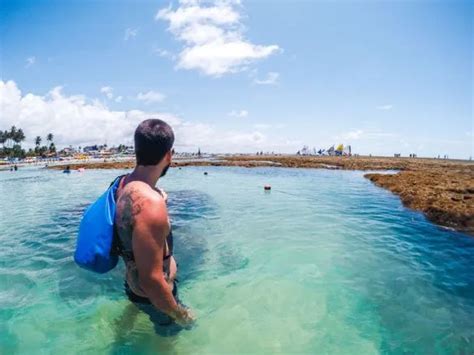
143,226
129,206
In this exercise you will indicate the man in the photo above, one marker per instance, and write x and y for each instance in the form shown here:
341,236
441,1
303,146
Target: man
143,227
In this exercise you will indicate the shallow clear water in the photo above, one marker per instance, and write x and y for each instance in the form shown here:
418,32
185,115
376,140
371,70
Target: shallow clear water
324,263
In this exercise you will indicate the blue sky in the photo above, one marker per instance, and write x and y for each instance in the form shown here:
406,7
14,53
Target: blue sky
384,76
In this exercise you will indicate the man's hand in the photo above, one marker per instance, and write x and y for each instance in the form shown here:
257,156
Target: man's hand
184,317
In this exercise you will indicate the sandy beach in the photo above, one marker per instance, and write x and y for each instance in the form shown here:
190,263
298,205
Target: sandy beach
442,189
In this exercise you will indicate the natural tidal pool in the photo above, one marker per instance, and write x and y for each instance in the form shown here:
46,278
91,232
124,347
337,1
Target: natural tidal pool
324,263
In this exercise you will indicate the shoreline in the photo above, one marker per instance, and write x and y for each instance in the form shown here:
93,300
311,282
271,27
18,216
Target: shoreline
443,190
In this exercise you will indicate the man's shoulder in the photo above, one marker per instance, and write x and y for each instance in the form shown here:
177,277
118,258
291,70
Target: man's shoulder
150,203
142,191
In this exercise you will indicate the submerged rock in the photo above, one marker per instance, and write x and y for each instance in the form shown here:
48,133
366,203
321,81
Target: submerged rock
445,196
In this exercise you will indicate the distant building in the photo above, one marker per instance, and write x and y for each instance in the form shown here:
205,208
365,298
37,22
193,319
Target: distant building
90,149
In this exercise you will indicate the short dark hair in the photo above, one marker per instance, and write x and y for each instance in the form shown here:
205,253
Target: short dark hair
153,139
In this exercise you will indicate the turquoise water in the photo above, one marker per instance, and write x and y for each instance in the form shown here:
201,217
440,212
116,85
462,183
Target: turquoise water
324,263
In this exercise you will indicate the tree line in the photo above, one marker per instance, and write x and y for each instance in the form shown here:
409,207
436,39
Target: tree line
11,144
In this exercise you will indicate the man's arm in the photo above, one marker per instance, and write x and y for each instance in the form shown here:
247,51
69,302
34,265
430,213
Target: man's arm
149,235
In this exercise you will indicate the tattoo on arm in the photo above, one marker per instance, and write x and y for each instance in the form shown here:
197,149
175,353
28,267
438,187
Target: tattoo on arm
132,206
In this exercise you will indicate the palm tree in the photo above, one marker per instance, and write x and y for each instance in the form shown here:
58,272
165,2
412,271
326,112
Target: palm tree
9,137
49,138
20,136
3,137
12,136
37,144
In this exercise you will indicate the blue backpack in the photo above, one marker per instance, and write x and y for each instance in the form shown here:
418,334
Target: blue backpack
95,249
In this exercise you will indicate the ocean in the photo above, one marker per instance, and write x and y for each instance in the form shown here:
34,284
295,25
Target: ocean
325,262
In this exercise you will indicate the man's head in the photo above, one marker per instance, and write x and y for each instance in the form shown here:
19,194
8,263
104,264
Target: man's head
153,143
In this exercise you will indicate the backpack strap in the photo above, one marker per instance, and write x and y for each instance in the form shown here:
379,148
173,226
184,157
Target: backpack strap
117,247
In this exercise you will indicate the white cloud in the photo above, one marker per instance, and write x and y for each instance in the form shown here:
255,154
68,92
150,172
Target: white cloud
252,137
107,91
359,134
356,134
271,79
130,33
78,120
150,96
262,126
268,126
213,37
384,107
164,53
72,119
238,114
30,61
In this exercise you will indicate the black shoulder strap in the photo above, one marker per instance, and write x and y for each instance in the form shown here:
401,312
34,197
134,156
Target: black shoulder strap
117,247
117,178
